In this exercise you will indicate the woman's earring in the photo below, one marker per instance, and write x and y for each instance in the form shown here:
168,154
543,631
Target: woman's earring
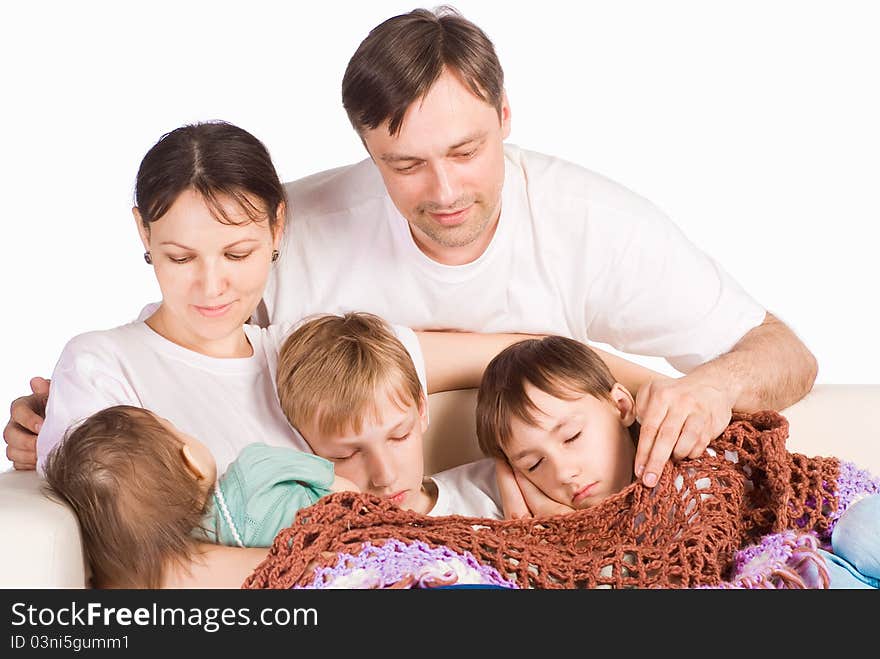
274,255
148,258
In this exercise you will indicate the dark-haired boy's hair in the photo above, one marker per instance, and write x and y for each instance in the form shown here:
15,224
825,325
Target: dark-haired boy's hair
556,365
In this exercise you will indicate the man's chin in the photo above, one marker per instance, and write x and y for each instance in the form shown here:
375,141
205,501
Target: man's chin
455,237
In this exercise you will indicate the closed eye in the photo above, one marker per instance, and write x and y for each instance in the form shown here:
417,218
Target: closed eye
344,457
407,169
238,257
181,260
466,154
572,438
536,465
401,439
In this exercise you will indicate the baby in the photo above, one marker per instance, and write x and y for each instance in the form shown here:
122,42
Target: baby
146,494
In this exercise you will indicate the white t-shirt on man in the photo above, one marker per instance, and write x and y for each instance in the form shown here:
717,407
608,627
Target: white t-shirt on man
225,403
573,254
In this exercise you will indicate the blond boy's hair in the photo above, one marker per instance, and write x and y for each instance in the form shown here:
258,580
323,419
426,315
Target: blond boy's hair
123,474
556,365
333,371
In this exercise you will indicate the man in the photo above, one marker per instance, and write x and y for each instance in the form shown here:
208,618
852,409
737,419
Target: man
445,226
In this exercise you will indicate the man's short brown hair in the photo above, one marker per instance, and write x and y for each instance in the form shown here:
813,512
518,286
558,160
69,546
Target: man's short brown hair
333,370
402,58
123,474
555,365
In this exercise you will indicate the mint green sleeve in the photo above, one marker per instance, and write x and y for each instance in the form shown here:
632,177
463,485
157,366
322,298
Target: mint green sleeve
269,466
266,486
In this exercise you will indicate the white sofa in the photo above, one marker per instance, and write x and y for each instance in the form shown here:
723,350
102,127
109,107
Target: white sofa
41,545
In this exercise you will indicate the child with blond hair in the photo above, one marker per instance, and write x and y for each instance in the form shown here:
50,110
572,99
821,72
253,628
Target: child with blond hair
354,392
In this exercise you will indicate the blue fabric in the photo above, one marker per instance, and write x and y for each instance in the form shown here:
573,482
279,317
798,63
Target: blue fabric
855,543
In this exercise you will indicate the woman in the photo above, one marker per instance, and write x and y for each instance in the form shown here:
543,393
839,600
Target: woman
210,212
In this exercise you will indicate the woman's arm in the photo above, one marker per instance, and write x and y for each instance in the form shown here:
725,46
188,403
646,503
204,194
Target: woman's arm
216,566
456,360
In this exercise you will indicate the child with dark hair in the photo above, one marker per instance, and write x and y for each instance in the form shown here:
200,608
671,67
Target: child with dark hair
552,409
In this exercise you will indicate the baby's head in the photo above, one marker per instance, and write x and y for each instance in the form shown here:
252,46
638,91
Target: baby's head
553,410
350,387
139,487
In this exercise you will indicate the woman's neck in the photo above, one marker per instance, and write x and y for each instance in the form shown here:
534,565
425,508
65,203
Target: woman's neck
232,346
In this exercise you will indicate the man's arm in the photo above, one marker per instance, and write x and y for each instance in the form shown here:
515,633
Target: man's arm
769,368
456,360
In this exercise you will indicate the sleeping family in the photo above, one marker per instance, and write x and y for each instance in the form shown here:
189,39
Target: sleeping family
301,327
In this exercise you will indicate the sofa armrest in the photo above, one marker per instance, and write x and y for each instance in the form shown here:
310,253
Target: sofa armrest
42,547
839,420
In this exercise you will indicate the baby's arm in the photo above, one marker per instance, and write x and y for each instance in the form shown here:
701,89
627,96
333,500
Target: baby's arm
215,566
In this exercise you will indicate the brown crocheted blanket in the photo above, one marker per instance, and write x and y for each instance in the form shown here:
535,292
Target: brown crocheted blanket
682,533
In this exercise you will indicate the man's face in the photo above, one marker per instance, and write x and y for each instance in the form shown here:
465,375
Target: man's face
385,458
444,170
580,451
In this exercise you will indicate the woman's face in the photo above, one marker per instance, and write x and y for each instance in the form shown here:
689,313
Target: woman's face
211,274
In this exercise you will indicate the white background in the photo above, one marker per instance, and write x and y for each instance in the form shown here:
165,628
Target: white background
754,125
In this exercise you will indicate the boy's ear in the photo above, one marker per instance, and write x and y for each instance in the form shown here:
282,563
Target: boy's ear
623,401
192,464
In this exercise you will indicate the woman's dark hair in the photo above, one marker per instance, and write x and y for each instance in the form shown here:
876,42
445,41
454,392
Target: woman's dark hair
215,159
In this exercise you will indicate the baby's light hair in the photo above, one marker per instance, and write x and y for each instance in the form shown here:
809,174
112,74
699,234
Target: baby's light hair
122,472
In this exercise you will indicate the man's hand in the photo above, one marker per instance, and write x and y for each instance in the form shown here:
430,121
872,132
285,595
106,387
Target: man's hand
678,417
26,416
